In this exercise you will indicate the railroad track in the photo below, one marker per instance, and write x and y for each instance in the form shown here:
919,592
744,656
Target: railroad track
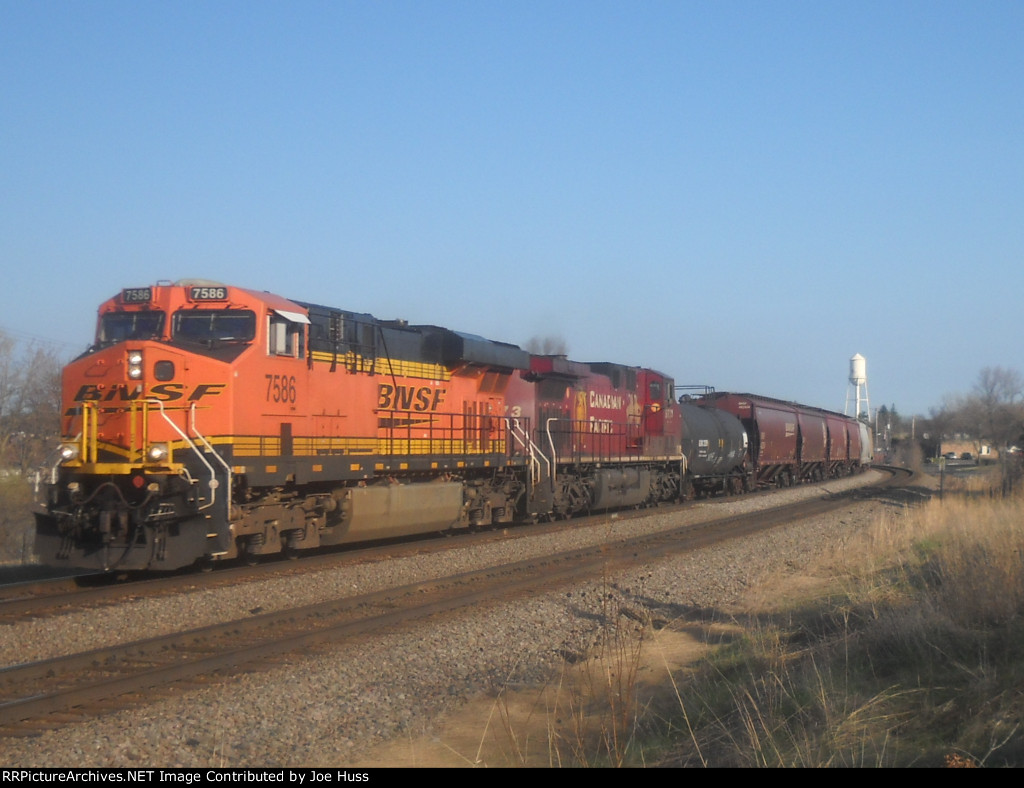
56,691
55,596
49,597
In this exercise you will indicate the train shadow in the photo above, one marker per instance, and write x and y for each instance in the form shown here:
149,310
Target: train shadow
911,495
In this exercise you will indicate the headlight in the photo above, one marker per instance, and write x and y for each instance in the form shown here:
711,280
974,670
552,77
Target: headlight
134,365
68,451
158,452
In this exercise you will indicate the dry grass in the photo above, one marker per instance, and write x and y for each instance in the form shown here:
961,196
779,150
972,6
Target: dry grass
591,712
909,652
914,658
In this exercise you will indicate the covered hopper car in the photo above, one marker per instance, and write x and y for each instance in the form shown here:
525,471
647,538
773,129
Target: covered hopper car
792,443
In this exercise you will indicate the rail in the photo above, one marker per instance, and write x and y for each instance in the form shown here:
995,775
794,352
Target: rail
214,483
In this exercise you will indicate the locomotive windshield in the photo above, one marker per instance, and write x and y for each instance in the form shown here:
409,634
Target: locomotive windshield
212,326
120,326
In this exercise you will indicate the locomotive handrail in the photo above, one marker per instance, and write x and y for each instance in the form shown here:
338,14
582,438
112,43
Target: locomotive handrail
90,432
532,448
590,441
213,474
549,463
554,453
512,425
209,446
52,464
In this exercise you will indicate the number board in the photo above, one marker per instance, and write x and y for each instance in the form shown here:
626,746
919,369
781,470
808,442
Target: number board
207,293
136,295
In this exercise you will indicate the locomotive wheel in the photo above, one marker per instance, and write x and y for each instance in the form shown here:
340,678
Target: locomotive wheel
246,553
290,546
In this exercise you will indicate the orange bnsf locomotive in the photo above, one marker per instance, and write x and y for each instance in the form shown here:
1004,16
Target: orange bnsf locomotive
210,422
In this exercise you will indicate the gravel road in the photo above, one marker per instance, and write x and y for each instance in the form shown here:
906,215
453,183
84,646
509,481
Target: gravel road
329,706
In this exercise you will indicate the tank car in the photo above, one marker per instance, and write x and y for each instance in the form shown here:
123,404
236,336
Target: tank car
716,447
209,422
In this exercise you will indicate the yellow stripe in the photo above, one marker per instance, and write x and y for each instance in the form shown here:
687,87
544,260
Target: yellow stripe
383,366
257,446
124,468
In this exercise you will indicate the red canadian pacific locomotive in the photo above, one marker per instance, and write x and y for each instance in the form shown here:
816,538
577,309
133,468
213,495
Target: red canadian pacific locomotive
210,422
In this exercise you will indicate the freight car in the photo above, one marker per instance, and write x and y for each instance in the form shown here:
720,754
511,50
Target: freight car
210,422
792,443
717,450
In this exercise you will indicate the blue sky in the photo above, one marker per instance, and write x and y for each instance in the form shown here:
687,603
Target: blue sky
739,194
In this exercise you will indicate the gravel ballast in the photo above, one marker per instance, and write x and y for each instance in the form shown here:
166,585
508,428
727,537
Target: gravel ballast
326,707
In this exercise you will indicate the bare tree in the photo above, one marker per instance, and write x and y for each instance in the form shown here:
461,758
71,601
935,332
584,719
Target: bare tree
29,425
941,424
38,419
29,404
10,386
994,411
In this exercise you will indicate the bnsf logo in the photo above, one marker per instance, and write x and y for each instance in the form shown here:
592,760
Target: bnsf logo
419,398
165,392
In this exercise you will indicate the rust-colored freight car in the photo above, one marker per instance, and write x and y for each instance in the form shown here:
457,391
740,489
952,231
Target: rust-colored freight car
792,443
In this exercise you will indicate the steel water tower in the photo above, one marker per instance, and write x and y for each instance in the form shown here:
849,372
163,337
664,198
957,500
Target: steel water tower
858,387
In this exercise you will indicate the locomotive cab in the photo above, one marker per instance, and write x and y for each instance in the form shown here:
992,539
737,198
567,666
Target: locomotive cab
136,481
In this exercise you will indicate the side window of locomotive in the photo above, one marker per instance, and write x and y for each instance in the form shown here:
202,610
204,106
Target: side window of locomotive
119,326
214,326
286,338
163,370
